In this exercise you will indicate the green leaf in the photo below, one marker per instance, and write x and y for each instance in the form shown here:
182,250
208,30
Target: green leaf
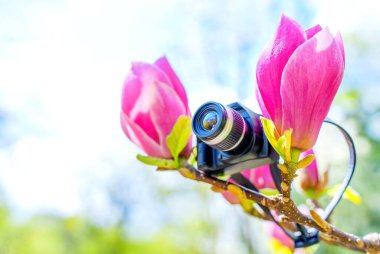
312,194
295,154
270,130
305,161
246,204
350,194
287,147
280,148
193,156
269,192
161,163
179,136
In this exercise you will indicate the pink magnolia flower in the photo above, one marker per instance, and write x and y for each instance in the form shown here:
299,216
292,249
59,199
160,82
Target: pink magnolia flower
260,177
277,233
309,179
152,100
298,75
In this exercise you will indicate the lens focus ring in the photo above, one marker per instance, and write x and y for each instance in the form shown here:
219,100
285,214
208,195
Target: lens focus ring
232,134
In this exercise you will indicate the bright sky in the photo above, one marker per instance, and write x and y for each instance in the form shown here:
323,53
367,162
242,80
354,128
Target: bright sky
62,65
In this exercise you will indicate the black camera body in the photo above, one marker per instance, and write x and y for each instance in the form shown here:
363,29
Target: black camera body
230,139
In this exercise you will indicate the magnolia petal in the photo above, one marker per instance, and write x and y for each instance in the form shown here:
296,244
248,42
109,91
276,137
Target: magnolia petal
261,177
278,233
138,98
288,37
165,66
187,150
138,136
309,83
312,31
339,40
308,177
148,72
145,76
145,122
165,108
312,169
131,94
259,98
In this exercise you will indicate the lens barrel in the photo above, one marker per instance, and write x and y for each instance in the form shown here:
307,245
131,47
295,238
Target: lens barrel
220,127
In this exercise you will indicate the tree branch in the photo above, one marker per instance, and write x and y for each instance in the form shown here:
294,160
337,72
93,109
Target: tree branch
285,205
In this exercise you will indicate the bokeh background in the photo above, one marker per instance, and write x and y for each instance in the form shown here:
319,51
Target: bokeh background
69,180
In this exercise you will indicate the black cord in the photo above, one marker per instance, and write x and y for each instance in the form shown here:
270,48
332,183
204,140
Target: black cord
350,171
243,181
303,237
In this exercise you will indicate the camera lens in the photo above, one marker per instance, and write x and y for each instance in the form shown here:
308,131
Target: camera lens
220,127
210,120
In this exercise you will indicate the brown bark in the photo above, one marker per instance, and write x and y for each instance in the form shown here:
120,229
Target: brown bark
284,205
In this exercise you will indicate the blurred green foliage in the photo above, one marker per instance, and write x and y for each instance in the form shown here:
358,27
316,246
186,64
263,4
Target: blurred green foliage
47,234
362,219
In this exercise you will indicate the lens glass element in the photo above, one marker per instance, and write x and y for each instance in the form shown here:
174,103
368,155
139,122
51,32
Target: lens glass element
210,120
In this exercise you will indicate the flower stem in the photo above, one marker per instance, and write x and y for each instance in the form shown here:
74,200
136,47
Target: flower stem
287,178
